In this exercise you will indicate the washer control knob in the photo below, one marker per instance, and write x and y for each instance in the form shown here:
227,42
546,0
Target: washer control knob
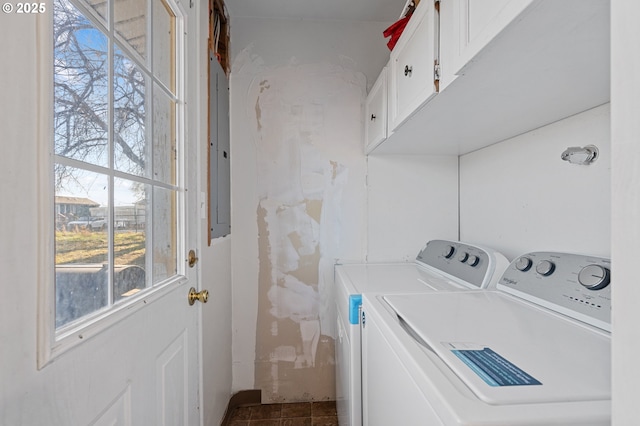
594,277
463,257
473,260
523,264
448,252
545,268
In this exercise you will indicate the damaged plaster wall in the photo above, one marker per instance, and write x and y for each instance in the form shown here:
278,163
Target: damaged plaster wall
298,195
303,171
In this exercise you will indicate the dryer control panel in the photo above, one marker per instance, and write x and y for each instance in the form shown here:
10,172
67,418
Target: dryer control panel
477,267
575,285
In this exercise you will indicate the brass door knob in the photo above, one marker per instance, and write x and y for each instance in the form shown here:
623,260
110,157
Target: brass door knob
194,295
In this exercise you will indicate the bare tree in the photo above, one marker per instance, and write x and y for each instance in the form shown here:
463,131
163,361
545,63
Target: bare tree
81,97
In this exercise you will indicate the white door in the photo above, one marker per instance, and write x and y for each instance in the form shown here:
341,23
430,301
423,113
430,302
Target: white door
112,339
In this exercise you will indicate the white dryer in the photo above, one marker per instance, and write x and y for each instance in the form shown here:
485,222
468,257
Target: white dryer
534,351
440,266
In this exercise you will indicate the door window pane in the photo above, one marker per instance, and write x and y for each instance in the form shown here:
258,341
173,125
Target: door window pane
164,48
164,234
130,18
81,87
164,137
129,116
101,8
81,244
130,238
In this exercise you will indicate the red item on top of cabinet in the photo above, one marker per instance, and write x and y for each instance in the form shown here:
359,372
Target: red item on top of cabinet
395,31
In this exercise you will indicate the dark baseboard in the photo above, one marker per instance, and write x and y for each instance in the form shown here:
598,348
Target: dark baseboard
240,399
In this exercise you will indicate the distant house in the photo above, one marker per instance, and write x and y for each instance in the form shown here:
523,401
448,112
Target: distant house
68,209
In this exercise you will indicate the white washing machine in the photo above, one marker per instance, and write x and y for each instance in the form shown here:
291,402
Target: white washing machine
440,266
534,351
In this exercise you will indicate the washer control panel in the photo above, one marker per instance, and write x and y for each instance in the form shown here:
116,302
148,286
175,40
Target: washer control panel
575,285
471,264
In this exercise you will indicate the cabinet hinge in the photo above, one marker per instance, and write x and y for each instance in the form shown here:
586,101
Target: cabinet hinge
436,71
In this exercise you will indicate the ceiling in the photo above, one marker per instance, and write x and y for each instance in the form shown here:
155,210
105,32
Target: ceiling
350,10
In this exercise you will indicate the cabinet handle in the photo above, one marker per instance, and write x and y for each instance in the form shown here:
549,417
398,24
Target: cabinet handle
373,117
408,70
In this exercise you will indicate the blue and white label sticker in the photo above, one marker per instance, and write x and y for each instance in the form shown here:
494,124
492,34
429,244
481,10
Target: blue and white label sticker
493,368
355,301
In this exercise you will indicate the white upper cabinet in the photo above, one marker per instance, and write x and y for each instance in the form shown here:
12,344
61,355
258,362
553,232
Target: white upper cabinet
506,67
375,119
412,65
476,23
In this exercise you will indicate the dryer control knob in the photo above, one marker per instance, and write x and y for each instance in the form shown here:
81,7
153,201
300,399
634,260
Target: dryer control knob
594,277
463,257
473,260
545,268
448,252
523,264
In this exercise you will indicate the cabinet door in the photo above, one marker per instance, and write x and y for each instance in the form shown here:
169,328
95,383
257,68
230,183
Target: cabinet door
476,23
375,119
412,65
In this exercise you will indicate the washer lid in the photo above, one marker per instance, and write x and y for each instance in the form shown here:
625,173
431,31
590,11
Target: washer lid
507,351
394,278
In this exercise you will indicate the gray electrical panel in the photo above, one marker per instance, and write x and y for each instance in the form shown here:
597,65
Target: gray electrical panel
219,155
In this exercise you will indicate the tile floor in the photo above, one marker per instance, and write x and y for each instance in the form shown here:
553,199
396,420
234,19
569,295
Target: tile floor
293,414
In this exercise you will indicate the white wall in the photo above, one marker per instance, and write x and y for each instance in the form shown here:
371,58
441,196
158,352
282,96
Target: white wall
625,125
214,273
18,224
215,270
411,199
518,195
215,276
298,193
353,45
